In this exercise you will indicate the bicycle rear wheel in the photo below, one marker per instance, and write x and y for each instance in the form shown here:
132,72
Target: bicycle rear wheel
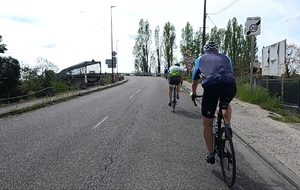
227,157
174,99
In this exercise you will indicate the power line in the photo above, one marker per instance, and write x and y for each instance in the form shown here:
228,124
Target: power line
232,3
211,20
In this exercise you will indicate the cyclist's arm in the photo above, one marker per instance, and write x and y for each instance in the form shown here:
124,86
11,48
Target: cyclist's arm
181,75
196,76
195,85
230,63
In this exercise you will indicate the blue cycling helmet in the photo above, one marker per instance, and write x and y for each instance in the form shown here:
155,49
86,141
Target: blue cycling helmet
211,46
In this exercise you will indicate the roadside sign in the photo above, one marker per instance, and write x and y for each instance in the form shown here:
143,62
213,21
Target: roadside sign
189,66
189,59
253,25
189,52
109,62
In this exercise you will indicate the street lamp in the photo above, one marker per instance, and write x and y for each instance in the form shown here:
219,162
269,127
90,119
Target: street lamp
112,57
204,26
117,57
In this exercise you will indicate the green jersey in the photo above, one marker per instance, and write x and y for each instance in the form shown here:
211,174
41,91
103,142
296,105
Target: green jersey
174,71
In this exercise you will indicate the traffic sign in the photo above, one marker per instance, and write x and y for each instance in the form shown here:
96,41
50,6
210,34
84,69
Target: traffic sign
189,59
109,63
253,25
189,66
189,52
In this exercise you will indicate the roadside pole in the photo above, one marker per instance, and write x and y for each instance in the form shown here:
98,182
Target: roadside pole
252,29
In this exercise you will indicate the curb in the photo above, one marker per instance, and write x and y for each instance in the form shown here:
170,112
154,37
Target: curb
287,174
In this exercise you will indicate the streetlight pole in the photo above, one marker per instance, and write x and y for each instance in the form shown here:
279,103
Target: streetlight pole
117,57
204,26
112,57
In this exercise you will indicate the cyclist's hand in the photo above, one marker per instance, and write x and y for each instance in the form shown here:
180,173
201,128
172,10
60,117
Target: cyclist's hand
193,96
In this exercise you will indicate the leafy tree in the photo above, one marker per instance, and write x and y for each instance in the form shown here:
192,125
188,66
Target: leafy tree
157,48
292,64
43,64
217,35
31,80
187,40
197,43
233,42
141,49
169,43
9,76
39,77
2,46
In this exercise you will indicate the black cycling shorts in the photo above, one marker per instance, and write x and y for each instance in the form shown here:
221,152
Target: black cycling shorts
211,95
174,79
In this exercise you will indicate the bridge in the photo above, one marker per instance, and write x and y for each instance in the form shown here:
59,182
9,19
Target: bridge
79,75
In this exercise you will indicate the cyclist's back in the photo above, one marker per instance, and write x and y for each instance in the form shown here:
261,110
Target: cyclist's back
175,77
174,71
215,68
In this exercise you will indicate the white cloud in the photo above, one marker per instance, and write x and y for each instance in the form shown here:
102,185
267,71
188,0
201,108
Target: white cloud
69,32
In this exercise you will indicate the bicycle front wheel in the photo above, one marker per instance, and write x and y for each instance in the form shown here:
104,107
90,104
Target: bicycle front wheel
227,157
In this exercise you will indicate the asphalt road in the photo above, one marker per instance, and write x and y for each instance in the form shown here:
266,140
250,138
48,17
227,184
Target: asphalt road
125,137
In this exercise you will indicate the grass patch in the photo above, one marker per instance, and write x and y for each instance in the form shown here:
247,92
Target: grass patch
260,96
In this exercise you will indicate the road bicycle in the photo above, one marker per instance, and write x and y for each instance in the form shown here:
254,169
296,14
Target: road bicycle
223,146
174,99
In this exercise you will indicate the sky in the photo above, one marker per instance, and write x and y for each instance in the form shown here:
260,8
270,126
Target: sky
69,32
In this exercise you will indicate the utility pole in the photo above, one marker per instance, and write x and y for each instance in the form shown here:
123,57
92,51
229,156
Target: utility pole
204,26
112,56
117,57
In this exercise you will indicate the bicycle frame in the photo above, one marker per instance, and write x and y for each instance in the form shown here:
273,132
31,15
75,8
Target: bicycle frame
222,137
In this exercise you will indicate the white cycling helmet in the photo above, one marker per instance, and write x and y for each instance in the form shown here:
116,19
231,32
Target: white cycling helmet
211,46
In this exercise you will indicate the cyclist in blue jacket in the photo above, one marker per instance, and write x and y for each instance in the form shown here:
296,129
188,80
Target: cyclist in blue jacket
166,72
218,82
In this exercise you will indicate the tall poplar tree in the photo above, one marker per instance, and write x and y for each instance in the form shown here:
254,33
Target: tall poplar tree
141,49
169,43
158,51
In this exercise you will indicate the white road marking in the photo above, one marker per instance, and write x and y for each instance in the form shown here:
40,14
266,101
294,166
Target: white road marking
131,97
98,124
143,86
138,91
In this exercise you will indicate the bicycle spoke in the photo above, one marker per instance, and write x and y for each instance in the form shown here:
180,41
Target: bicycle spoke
227,157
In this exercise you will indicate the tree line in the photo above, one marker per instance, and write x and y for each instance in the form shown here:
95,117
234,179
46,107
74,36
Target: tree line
232,40
17,80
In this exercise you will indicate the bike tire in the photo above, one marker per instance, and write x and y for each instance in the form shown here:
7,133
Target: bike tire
174,99
227,157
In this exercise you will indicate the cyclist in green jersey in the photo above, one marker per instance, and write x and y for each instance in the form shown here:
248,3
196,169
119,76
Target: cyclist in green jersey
175,74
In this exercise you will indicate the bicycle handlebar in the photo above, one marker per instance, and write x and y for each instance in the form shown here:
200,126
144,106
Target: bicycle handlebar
194,99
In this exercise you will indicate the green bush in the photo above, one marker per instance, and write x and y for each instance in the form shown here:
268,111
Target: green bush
59,87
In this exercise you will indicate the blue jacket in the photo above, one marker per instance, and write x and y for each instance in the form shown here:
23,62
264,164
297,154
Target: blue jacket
215,68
